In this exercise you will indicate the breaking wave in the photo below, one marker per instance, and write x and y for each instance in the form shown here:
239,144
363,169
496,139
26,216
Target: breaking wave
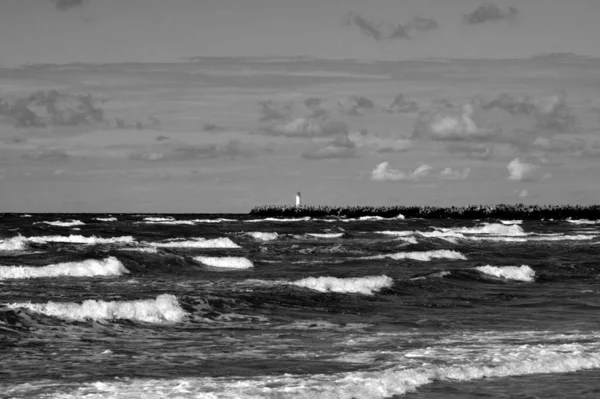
222,242
111,219
164,309
351,285
489,228
110,266
325,235
262,236
421,255
78,239
225,262
522,273
376,384
17,243
65,224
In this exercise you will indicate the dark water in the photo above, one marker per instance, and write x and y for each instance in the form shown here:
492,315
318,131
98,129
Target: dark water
226,306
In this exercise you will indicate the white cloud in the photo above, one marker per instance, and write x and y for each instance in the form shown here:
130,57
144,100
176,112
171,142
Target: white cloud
522,171
451,174
383,172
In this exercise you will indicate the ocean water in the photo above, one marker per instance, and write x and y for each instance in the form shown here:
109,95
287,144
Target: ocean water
230,306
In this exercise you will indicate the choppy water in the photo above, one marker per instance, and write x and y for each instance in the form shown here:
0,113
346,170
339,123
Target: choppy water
226,306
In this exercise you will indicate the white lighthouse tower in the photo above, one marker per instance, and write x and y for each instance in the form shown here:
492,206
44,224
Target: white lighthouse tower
298,199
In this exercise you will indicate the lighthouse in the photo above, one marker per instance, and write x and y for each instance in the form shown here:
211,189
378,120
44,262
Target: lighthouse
298,199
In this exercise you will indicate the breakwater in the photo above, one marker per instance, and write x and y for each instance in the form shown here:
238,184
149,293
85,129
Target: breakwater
501,211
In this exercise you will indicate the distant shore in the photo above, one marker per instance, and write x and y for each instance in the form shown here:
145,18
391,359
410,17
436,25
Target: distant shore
501,211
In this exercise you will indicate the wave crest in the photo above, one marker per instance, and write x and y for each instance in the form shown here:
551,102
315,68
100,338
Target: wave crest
354,285
522,273
164,309
421,255
225,262
110,266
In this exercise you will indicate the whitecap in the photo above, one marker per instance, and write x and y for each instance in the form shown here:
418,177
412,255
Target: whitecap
522,273
263,236
488,228
17,243
225,262
64,224
420,255
509,222
111,219
158,219
164,309
110,266
222,242
78,239
325,235
354,285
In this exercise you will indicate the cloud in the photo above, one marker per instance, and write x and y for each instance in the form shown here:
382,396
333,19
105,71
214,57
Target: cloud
522,193
307,127
388,31
451,174
522,171
489,12
340,147
402,106
270,111
356,105
471,150
383,172
444,123
48,155
380,144
551,113
65,5
52,108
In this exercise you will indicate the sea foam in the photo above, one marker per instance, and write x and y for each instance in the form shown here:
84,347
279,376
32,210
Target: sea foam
17,243
110,266
522,273
325,235
354,285
263,236
164,309
65,224
376,384
222,242
488,228
420,255
79,239
225,262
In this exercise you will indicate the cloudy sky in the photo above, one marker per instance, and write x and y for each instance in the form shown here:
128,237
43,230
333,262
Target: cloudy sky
154,105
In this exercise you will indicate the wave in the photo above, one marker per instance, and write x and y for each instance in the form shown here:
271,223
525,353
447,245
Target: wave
420,255
325,235
111,219
158,219
225,262
78,239
511,222
164,309
505,361
222,242
522,273
110,266
488,228
583,221
263,236
352,285
304,219
18,243
65,224
148,250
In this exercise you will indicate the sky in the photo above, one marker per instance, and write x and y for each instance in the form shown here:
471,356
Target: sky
222,105
38,31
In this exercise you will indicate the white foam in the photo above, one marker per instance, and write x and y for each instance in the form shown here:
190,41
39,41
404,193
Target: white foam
65,224
25,215
111,219
222,242
416,371
164,308
225,262
78,239
304,219
158,219
171,222
522,273
354,285
325,235
17,243
420,255
400,233
583,221
110,266
149,250
489,228
263,236
511,222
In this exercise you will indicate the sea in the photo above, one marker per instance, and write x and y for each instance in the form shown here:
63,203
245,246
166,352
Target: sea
235,306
